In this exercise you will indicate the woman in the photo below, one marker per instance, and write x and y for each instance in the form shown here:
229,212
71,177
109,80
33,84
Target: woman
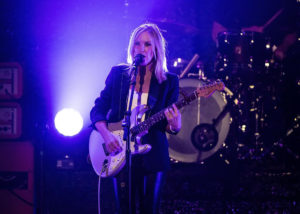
156,88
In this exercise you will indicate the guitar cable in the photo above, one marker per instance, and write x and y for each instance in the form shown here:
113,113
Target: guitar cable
99,182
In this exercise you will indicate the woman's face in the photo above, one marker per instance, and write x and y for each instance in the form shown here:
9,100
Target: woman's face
143,45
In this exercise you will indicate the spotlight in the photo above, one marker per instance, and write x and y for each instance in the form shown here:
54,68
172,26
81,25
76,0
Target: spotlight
68,122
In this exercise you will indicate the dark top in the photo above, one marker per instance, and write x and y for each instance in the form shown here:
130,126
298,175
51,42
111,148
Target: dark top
111,107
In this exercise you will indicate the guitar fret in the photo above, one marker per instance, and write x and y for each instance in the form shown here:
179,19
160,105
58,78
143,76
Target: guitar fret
202,91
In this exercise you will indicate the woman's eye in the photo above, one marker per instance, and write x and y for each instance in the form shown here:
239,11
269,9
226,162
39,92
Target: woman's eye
137,43
147,44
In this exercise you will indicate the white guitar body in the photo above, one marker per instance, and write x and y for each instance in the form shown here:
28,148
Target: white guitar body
106,165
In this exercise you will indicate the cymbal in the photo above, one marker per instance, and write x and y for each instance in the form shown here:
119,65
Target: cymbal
172,25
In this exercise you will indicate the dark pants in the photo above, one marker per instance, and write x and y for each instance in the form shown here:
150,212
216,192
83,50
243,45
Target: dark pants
145,190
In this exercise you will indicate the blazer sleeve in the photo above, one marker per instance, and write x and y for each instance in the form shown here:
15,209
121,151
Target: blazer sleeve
171,97
173,93
103,102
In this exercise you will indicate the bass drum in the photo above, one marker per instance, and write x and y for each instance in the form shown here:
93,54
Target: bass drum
199,138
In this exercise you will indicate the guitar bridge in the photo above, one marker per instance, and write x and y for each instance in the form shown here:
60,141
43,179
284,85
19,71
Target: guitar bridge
104,166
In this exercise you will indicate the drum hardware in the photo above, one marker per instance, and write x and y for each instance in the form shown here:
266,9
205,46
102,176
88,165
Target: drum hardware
248,116
280,145
293,127
247,107
255,126
189,66
194,75
247,65
205,136
200,75
170,25
181,66
246,119
242,54
178,63
203,111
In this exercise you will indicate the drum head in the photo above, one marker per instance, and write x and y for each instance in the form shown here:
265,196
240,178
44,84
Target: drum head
200,111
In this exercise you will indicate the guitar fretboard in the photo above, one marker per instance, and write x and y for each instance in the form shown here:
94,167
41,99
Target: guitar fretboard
145,125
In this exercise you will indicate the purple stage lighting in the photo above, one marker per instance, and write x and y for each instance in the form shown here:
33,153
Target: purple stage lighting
68,122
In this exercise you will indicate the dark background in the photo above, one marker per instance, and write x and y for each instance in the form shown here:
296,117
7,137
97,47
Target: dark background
237,181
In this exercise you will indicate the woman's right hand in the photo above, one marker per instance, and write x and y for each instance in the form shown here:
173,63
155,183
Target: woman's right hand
112,143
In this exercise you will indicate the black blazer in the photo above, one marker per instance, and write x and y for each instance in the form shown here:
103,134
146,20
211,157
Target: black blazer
111,107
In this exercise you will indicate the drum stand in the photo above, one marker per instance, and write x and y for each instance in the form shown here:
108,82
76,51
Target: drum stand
281,143
246,109
246,63
205,135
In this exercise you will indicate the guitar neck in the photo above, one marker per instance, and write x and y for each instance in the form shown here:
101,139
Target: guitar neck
145,125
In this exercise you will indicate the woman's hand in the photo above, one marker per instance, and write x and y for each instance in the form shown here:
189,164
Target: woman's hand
112,143
174,119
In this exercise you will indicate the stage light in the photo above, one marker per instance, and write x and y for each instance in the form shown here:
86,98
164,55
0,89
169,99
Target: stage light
68,122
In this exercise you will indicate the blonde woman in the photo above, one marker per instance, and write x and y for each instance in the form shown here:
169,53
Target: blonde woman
156,88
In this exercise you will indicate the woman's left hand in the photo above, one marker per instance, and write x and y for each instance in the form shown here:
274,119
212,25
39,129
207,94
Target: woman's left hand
174,118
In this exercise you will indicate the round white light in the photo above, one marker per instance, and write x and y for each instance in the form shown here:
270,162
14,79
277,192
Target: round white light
68,122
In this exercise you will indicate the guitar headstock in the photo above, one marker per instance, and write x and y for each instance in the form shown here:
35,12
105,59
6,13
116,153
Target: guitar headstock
210,88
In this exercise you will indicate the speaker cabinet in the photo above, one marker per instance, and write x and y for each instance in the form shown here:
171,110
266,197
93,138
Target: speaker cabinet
10,120
11,80
16,177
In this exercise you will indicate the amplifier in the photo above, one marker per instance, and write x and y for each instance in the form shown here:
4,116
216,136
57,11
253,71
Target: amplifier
10,81
16,177
13,180
10,120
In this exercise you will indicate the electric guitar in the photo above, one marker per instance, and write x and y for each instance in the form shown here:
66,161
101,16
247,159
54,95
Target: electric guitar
105,164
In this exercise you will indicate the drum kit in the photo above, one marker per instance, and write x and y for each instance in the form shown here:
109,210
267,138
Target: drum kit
237,118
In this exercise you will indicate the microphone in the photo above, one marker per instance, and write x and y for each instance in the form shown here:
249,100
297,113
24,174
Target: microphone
138,59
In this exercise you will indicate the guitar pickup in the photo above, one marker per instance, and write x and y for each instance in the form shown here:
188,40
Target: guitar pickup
105,150
107,153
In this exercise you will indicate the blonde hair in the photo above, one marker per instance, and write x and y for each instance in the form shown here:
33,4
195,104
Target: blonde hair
158,48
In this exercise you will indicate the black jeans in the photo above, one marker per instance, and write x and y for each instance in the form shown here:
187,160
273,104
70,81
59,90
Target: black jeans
145,190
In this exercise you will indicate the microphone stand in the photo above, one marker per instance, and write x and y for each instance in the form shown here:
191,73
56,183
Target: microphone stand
126,124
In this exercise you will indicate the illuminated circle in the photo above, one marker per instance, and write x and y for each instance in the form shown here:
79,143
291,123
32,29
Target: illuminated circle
68,122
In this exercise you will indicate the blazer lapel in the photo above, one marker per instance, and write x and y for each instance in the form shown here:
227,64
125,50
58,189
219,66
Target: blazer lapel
153,92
